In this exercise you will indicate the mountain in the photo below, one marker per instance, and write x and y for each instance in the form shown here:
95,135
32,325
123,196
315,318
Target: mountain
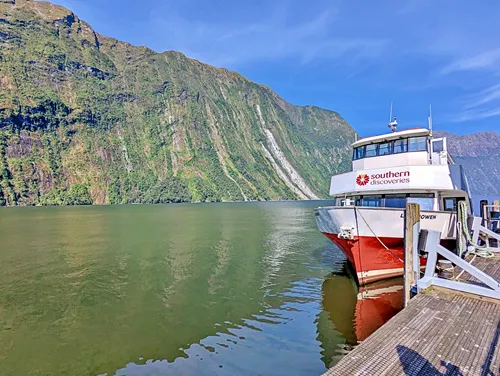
89,119
479,154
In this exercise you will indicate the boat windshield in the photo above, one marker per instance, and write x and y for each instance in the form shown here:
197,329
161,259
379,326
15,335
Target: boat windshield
426,200
404,145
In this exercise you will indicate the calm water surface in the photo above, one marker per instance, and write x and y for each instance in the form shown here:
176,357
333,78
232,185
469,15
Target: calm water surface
224,289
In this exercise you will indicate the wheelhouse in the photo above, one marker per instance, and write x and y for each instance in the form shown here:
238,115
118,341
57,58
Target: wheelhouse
406,166
402,145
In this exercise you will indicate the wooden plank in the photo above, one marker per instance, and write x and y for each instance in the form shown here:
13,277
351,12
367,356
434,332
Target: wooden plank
439,332
460,339
412,219
490,265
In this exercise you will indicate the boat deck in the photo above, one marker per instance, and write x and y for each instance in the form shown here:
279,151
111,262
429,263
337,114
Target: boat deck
441,332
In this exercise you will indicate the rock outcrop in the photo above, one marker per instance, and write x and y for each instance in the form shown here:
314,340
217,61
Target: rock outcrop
86,118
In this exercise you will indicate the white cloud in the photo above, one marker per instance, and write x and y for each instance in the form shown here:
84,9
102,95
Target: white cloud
433,46
481,105
485,60
476,114
271,38
485,96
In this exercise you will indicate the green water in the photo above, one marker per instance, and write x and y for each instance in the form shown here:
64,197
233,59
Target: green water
225,289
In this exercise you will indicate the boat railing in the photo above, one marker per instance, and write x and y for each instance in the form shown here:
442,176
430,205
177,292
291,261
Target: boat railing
491,216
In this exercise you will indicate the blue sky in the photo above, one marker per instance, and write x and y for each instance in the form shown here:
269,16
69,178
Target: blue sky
354,57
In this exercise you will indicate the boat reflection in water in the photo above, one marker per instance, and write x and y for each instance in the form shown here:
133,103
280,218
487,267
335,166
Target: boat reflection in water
356,312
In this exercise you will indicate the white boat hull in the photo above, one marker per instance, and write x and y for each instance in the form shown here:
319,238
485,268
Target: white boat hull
373,238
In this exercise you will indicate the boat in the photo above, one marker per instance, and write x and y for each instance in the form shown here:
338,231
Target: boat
366,220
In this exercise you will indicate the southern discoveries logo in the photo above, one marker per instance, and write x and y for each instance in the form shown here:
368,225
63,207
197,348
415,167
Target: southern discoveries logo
385,178
362,180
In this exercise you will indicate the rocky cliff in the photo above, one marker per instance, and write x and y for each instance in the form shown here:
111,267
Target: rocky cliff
479,153
89,119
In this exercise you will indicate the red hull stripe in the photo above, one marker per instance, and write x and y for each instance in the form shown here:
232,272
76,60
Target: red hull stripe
370,259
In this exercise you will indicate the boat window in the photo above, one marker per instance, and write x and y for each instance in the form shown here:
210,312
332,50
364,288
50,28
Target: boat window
385,148
395,201
450,204
437,146
359,153
418,143
371,150
356,200
401,146
372,201
428,195
346,201
394,147
425,200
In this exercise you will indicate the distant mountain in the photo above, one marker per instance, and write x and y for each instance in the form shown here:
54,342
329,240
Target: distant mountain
479,153
89,119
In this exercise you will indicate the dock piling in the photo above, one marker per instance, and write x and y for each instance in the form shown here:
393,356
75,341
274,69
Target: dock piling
411,259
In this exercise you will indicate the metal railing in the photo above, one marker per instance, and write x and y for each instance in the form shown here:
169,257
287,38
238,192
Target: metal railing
419,241
491,217
433,248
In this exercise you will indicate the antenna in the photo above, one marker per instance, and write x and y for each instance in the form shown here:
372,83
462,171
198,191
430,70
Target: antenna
430,118
394,123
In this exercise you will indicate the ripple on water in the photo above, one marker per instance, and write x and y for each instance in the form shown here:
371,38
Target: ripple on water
225,289
289,329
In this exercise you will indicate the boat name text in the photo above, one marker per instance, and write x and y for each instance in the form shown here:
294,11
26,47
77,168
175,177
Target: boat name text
400,177
423,216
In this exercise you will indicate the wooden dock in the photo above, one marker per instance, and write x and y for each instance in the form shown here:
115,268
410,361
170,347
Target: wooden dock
441,332
452,327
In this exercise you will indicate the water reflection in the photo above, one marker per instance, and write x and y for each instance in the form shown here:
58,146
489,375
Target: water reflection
220,289
275,341
356,312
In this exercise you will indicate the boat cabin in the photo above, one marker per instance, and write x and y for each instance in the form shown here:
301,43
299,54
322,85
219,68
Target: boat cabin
404,166
411,147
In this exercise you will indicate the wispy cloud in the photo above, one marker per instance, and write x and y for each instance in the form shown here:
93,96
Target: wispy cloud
485,60
421,51
476,114
482,105
469,65
272,38
485,96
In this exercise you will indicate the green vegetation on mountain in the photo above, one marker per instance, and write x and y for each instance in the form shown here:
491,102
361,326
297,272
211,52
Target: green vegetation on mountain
89,119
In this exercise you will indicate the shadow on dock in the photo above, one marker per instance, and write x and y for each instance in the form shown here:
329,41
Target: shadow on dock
439,333
491,353
415,364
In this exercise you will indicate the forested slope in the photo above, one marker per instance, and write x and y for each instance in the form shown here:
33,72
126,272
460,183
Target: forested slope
89,119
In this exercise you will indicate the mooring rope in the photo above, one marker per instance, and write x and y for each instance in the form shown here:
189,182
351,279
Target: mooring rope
464,228
380,241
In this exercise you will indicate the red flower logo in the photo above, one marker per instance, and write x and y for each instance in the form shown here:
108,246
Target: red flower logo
362,180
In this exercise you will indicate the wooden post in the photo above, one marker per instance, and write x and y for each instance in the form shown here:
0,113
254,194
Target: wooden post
412,229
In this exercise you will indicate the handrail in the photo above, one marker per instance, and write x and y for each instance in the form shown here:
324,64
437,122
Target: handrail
477,228
433,249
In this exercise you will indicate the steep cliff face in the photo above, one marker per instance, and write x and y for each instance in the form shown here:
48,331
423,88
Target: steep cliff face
89,119
479,153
